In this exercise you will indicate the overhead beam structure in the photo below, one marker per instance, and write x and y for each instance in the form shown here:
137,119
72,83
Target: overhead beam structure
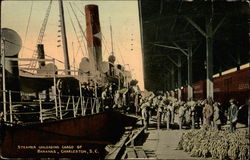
209,50
166,23
188,53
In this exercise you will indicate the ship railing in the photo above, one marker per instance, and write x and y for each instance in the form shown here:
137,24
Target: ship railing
94,102
79,105
41,110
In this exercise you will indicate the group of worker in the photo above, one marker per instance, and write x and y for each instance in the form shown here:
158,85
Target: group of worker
195,114
168,109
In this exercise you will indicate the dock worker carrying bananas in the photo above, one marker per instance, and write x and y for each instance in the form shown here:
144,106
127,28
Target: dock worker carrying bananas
145,112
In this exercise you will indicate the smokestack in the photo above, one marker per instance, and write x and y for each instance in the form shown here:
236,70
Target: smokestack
93,31
41,55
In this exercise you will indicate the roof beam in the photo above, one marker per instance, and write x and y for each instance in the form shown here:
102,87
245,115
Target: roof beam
168,57
196,26
218,25
165,46
180,49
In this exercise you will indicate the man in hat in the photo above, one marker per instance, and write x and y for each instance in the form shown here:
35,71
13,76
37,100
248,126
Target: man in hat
145,113
181,114
160,105
208,112
232,115
217,121
167,113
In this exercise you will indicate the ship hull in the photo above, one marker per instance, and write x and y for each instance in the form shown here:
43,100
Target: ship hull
84,136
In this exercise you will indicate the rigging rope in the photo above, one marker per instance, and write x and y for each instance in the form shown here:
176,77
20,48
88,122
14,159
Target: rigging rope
27,27
24,47
105,44
72,23
79,9
120,54
79,25
28,24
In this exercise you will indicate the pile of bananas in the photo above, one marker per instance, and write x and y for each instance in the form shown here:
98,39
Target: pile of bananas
215,144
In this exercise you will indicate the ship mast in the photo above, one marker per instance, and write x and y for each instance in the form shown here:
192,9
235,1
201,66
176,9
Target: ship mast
64,39
3,66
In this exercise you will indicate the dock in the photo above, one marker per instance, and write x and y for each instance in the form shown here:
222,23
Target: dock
157,144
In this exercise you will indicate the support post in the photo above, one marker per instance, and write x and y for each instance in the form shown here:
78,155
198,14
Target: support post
10,105
54,79
179,77
209,58
60,104
172,77
67,106
95,108
190,75
209,49
80,88
91,105
3,78
238,62
74,112
41,110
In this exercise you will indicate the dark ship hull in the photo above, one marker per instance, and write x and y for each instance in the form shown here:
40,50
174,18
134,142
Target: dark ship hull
84,137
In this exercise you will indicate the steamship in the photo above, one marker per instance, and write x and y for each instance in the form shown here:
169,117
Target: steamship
44,109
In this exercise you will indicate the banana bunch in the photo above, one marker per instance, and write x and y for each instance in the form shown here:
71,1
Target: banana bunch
243,152
222,149
215,144
180,144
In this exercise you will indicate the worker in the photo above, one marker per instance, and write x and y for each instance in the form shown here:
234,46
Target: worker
217,121
159,111
208,112
232,115
181,115
145,113
198,113
172,107
192,112
167,114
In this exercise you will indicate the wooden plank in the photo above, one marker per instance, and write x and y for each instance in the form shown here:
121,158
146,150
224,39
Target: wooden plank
135,136
118,148
140,153
131,153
